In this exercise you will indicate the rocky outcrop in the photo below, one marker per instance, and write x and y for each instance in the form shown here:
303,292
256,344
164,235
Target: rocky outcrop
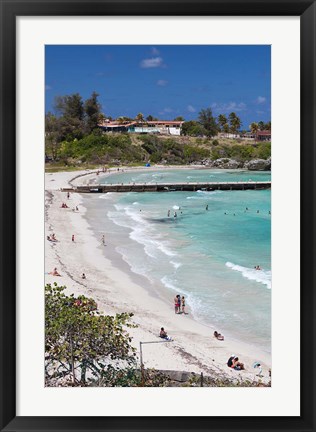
226,163
258,165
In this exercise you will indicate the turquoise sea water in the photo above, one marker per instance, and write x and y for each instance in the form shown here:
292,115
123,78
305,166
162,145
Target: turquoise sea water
208,255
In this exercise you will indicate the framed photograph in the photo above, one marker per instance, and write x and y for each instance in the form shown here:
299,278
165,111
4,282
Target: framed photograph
120,310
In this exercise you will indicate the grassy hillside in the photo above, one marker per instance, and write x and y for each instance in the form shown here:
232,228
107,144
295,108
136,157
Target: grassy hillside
115,149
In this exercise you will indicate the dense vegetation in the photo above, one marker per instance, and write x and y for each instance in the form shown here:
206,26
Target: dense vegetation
80,343
111,149
73,137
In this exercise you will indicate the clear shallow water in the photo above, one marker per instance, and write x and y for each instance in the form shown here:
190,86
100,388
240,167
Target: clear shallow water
207,255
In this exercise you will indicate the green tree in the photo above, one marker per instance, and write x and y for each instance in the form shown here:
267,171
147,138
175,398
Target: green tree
78,338
92,109
226,129
151,118
193,128
208,122
222,121
179,118
71,116
140,118
52,135
254,129
261,125
234,122
70,106
267,126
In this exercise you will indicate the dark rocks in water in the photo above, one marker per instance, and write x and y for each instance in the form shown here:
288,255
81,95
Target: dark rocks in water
258,165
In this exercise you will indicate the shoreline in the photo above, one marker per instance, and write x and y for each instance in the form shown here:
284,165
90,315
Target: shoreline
117,289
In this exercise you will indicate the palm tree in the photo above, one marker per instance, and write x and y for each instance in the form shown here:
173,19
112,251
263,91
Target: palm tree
140,118
120,120
254,129
222,120
235,122
226,129
268,126
261,125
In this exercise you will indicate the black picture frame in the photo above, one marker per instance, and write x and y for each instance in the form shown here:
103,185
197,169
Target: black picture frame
10,9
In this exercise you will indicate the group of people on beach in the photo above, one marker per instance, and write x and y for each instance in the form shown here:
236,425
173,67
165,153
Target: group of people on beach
234,363
52,238
179,305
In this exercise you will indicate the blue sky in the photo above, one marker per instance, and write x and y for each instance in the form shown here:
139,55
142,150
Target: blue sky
165,81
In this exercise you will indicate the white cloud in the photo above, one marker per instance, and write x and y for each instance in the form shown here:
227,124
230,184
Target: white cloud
191,109
154,51
261,99
229,107
162,83
151,63
166,111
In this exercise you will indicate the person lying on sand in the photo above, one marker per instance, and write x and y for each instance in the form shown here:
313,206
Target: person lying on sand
163,334
55,272
237,365
234,363
218,336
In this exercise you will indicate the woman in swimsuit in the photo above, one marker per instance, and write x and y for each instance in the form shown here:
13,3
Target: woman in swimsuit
183,304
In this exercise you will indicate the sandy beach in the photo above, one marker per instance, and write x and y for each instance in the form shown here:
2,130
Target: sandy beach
116,289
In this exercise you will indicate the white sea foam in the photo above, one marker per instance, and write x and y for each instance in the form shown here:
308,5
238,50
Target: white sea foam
207,192
108,195
175,207
261,276
202,194
141,231
175,264
136,267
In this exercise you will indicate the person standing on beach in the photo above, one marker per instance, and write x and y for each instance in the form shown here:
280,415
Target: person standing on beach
179,303
183,305
176,305
73,238
103,240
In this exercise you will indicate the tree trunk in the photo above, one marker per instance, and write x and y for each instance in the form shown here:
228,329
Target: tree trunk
72,360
